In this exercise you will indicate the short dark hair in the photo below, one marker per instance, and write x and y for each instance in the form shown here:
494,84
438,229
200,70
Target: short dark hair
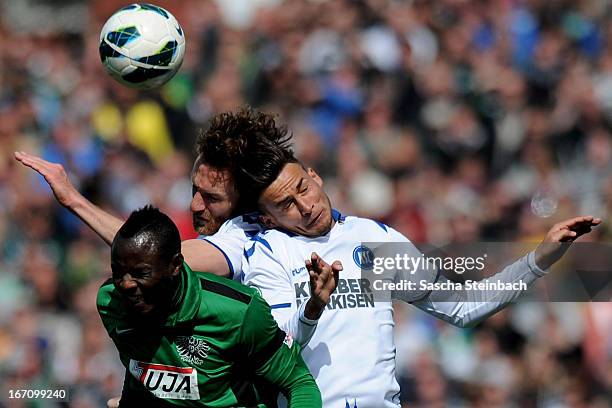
251,146
162,232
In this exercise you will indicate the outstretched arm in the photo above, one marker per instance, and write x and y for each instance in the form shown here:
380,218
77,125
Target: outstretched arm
199,255
468,307
101,222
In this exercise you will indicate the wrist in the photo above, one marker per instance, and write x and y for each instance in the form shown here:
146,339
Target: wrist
313,310
538,263
75,201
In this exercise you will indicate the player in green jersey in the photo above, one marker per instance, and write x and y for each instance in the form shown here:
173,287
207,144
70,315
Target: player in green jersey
187,338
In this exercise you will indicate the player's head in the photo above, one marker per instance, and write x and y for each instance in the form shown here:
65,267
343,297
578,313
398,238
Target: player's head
295,201
214,196
289,195
217,177
146,260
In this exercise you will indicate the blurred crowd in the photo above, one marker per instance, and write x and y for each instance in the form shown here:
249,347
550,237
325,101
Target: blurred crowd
450,120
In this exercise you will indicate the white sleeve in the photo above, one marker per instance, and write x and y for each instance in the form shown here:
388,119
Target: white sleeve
262,270
466,308
414,275
230,240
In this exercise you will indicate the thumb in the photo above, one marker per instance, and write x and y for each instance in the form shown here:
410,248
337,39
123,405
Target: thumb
337,266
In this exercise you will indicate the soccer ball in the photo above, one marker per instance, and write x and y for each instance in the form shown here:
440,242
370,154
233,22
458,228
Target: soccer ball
142,46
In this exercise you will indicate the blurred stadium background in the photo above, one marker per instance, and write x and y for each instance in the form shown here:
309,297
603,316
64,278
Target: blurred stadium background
441,118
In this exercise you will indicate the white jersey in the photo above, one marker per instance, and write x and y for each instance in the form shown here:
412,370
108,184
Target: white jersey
231,239
351,353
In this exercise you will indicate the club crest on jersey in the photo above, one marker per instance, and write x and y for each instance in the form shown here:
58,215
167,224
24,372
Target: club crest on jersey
191,349
166,381
363,257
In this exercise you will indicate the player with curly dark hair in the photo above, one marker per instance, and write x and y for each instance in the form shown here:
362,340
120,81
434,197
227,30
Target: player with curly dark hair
187,338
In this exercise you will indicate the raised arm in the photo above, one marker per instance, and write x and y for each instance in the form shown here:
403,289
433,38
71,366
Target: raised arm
200,255
466,308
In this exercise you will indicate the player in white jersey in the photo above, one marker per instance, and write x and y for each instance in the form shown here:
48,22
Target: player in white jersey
351,353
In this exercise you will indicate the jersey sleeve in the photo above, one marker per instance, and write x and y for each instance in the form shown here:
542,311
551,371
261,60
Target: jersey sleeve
110,314
398,244
275,358
262,270
465,308
230,240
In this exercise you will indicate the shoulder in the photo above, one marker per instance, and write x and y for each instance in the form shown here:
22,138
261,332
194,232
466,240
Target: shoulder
246,223
360,222
228,303
106,294
224,292
270,242
374,230
109,305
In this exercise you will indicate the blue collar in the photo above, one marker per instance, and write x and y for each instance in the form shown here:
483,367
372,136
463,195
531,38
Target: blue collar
337,216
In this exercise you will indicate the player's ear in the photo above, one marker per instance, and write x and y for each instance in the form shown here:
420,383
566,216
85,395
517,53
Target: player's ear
267,221
315,176
177,262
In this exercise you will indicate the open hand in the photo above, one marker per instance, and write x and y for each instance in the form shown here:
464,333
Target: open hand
559,238
54,175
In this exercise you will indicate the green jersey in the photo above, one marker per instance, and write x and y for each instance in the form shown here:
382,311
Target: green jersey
220,340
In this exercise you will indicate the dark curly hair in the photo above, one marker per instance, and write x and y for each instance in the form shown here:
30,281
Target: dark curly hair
251,146
157,226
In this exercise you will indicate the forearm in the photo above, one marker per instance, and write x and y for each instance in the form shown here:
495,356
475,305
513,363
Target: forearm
298,325
304,394
300,388
101,222
465,308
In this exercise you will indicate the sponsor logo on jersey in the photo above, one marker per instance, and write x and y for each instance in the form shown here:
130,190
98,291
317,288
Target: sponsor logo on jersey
298,271
363,257
350,294
166,381
191,349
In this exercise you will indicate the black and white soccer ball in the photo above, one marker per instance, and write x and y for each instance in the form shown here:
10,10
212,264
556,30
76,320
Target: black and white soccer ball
142,46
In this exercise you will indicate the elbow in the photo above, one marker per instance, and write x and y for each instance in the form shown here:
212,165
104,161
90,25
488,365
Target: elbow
464,323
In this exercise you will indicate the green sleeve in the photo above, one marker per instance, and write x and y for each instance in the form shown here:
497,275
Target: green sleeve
276,360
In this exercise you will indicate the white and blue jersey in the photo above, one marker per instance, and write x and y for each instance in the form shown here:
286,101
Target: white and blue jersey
351,353
231,238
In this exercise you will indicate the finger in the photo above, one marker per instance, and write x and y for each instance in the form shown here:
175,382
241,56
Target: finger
314,278
34,162
564,235
314,259
336,277
575,221
318,263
